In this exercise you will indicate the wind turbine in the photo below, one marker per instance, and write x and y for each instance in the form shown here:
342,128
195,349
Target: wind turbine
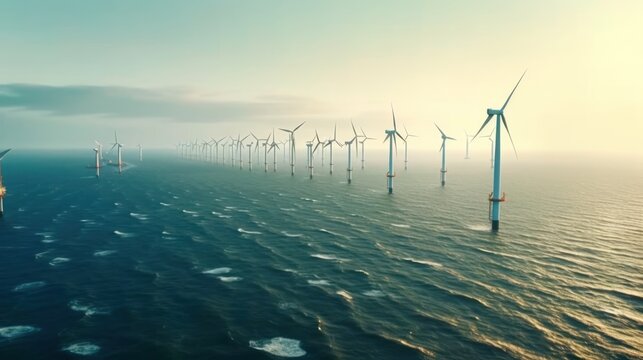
406,153
97,152
3,190
140,152
232,144
311,152
239,148
223,148
100,150
466,156
443,148
274,145
391,136
362,142
495,197
216,142
265,145
119,147
249,156
330,143
491,141
291,138
349,169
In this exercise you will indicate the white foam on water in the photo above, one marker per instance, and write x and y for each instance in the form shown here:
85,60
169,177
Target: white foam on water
279,346
59,260
326,257
123,234
105,252
345,295
374,293
15,331
47,241
217,271
479,227
288,209
319,282
216,213
230,207
404,226
19,227
141,217
165,233
87,309
164,204
225,216
363,272
189,212
41,254
286,233
230,278
243,211
117,204
82,348
423,262
248,232
29,286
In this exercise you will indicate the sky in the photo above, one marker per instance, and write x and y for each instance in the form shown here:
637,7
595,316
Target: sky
162,72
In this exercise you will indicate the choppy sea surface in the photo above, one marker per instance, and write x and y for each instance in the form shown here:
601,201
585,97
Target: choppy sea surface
183,259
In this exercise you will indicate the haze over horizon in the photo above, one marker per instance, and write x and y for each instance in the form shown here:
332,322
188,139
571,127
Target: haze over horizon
76,71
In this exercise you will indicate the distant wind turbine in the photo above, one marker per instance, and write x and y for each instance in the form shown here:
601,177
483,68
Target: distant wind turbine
97,152
274,145
495,197
291,138
140,152
391,136
330,143
466,156
349,168
406,153
443,148
362,143
311,152
119,147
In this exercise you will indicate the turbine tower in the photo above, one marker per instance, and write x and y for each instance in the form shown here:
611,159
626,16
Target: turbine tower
330,142
3,190
406,153
443,170
240,149
100,150
274,145
119,150
362,143
140,152
97,151
349,168
491,141
249,156
466,156
291,139
311,153
216,148
495,198
391,136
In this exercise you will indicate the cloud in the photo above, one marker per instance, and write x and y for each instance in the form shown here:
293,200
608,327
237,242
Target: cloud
171,104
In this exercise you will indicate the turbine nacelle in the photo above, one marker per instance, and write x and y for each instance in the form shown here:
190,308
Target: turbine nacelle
492,112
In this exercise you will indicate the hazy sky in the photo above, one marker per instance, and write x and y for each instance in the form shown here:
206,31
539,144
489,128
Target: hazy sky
163,71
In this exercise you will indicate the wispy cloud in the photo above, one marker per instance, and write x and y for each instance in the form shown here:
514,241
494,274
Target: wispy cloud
130,102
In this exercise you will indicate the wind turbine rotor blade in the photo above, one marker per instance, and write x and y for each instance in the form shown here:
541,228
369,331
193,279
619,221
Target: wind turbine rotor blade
441,132
286,130
512,92
394,124
298,126
482,127
450,138
353,126
441,147
504,122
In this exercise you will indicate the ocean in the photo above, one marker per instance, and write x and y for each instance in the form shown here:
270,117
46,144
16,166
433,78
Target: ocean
177,259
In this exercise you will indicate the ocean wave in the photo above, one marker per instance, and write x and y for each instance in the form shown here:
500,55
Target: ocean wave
230,278
345,295
82,348
41,254
141,217
59,260
217,271
87,309
423,262
11,332
29,286
326,257
374,293
404,226
164,204
287,234
123,234
105,252
318,282
248,232
279,346
190,212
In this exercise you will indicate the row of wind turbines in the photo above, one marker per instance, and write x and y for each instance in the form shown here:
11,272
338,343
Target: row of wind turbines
209,150
101,158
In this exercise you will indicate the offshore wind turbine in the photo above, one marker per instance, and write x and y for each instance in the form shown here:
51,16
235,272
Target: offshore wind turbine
97,152
362,142
240,149
140,152
391,136
311,152
330,144
349,168
274,145
223,148
3,190
443,148
216,148
466,156
249,156
406,152
119,151
490,140
495,197
100,150
265,145
291,139
232,145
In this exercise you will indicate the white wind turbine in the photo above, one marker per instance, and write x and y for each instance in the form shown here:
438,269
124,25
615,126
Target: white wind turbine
119,148
362,143
291,139
443,148
311,153
349,168
330,143
274,145
406,143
